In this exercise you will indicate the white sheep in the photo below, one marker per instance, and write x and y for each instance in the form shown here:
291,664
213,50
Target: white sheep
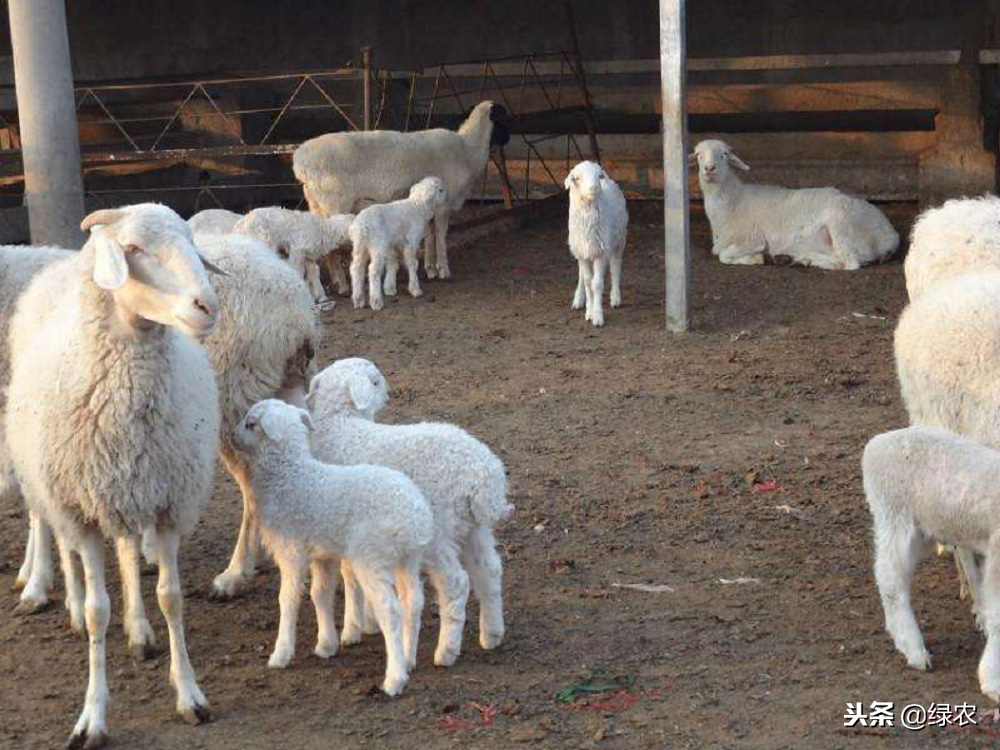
598,223
960,236
820,227
262,347
214,221
463,480
317,514
112,416
382,233
924,485
304,239
341,172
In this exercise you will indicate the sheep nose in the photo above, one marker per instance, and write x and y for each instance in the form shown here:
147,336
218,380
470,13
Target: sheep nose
709,168
208,308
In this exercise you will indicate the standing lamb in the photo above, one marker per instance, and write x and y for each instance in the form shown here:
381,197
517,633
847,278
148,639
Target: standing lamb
598,223
961,236
317,514
340,172
304,239
820,227
112,415
382,233
923,485
214,221
463,480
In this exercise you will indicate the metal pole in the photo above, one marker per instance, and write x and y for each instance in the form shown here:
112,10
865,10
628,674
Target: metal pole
50,140
366,61
676,219
588,112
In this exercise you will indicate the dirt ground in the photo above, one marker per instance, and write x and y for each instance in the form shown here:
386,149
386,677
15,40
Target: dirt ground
633,457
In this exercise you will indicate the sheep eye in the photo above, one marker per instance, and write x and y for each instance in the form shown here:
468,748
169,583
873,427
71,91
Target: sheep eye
251,425
134,250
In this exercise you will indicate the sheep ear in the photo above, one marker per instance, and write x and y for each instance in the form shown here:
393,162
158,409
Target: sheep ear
362,392
104,216
211,267
307,420
692,158
568,181
110,267
311,398
737,161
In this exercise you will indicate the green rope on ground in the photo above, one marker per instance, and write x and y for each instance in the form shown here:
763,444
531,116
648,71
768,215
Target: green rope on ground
599,680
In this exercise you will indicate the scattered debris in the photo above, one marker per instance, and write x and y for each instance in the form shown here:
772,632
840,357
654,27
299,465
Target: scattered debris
539,527
797,512
561,566
521,270
741,335
452,724
738,581
599,680
768,485
865,315
605,691
652,588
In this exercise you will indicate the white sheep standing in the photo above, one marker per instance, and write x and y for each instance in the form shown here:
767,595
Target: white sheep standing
820,227
317,514
214,221
463,480
261,347
304,239
381,233
112,416
342,172
598,223
924,485
960,236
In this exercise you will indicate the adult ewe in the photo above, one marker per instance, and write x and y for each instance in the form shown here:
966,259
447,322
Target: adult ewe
598,223
960,236
340,172
112,415
819,227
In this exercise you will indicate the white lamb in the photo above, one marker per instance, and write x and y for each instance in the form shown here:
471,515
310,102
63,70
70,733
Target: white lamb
820,227
598,223
381,233
924,485
341,172
112,416
960,236
463,480
317,514
214,221
304,239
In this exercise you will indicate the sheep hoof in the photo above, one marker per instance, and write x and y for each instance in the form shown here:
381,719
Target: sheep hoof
445,657
490,641
358,303
393,687
597,320
577,305
199,713
616,302
279,660
19,584
31,606
417,292
444,273
325,650
921,662
87,741
350,637
143,651
225,587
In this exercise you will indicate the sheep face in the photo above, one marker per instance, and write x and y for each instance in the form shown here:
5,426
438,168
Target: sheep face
348,385
430,190
271,423
585,180
715,159
146,257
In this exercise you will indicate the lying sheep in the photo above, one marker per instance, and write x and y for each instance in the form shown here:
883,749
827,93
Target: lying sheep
381,233
463,480
112,416
304,239
314,513
598,222
341,172
819,227
925,485
961,236
214,221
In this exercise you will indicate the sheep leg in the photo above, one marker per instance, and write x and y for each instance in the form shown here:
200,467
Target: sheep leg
292,565
323,591
430,250
597,291
750,255
898,548
378,587
335,270
35,597
141,641
411,595
485,568
441,245
989,664
312,279
376,267
412,266
580,296
451,584
971,579
75,591
358,280
586,276
243,563
354,605
616,279
391,273
91,728
29,552
191,703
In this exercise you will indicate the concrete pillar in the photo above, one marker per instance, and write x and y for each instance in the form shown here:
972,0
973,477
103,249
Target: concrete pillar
50,141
